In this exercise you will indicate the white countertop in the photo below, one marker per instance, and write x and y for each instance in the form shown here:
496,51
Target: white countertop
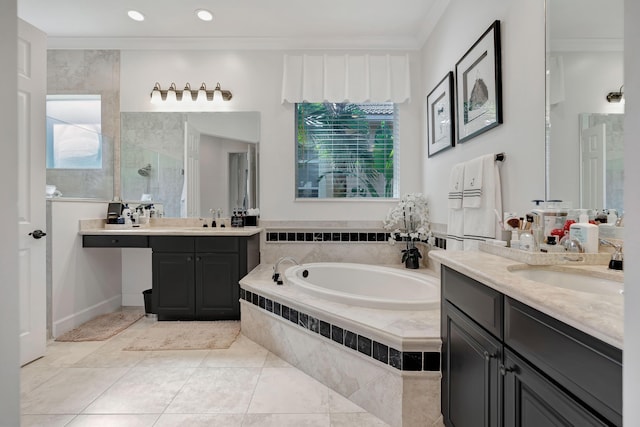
598,315
163,227
172,231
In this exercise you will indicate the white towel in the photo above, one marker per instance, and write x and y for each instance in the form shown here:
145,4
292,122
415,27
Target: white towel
455,219
473,178
480,223
456,182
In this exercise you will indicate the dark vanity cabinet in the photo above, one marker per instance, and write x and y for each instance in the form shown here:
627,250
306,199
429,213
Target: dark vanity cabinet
196,278
507,364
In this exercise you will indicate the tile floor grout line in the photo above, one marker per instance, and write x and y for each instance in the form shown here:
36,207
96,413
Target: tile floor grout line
164,411
253,393
196,362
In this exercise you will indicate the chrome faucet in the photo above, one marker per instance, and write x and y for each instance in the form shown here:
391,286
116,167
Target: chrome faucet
276,274
617,258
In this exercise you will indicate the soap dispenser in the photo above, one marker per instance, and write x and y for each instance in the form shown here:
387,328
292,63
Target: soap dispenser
585,233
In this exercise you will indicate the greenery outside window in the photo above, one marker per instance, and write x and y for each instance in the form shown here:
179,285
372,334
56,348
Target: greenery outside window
346,150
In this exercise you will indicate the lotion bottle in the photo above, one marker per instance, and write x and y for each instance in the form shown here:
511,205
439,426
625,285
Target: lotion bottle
585,233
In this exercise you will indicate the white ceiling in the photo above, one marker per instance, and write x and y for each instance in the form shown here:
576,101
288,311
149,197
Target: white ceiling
326,24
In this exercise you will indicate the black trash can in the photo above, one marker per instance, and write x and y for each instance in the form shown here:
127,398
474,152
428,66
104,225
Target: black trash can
148,306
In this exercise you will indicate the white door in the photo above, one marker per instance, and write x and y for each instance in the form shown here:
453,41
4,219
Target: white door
192,170
592,173
32,80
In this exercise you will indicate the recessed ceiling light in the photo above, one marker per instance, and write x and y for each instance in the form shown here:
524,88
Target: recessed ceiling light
204,15
135,15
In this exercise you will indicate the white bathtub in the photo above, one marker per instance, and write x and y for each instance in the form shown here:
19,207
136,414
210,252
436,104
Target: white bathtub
366,285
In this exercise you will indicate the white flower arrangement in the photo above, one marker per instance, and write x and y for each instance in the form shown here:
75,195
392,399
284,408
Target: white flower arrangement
409,220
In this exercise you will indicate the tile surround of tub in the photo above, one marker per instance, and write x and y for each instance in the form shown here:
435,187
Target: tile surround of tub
385,353
329,241
400,399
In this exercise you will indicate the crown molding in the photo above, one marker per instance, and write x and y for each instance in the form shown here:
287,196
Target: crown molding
233,43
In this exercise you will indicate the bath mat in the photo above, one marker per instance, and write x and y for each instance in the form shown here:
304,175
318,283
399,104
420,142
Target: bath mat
102,327
171,335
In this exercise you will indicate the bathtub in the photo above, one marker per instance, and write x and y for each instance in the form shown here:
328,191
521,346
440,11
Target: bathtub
359,329
366,285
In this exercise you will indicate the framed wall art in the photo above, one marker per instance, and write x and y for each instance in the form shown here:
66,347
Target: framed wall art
479,86
440,116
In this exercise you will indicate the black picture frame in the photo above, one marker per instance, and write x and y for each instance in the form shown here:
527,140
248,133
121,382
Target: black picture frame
441,116
479,86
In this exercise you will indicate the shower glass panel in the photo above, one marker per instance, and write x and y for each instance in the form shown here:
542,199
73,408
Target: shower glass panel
152,176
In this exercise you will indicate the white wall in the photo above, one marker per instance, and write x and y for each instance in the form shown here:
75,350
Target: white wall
631,356
255,79
588,77
83,283
136,275
214,173
9,313
521,136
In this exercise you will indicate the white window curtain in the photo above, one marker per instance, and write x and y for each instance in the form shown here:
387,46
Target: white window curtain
346,78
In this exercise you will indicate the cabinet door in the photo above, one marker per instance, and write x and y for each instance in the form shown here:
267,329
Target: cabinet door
531,400
173,290
470,376
217,288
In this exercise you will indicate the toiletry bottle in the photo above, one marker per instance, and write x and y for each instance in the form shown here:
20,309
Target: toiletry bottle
213,218
537,230
527,242
585,233
514,243
126,214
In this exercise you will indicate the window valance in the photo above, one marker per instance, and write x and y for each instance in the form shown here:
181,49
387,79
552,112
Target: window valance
346,78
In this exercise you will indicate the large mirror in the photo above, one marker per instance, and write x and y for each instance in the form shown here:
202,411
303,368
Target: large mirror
189,163
584,148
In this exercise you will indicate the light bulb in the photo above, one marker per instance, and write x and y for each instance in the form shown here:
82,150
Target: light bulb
171,93
202,94
204,15
135,15
217,94
156,95
186,93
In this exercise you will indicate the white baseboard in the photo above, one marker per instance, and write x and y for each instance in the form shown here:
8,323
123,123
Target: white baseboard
73,321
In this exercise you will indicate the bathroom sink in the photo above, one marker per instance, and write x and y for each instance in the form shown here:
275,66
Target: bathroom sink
574,280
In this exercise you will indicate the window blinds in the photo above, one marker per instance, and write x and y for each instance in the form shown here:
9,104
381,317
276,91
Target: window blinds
346,150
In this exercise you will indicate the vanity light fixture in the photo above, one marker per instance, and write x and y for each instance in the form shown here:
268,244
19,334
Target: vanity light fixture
135,15
188,95
204,15
615,96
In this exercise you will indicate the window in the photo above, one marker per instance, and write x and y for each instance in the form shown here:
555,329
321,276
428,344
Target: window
346,150
74,124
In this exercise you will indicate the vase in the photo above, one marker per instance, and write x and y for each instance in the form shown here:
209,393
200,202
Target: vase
412,261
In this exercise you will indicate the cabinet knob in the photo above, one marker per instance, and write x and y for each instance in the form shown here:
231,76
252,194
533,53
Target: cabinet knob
188,258
198,258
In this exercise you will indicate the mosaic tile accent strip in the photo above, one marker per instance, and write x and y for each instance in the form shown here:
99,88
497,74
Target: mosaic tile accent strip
320,236
440,242
404,361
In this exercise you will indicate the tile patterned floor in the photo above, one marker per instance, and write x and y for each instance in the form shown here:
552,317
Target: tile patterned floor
99,384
